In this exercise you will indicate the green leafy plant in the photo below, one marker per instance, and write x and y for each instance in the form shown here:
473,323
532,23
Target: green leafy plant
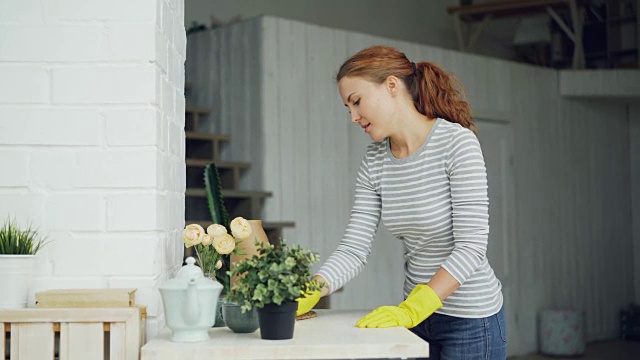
17,241
276,275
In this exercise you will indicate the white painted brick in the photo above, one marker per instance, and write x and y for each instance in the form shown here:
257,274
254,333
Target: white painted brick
158,77
180,37
120,10
132,127
154,325
114,169
162,159
178,117
50,127
176,137
173,247
181,175
24,207
167,23
12,11
28,84
168,102
181,10
51,42
44,260
128,255
161,51
76,281
15,167
104,84
174,67
180,83
133,212
146,291
176,243
74,212
131,42
163,137
163,219
158,8
175,214
77,256
52,168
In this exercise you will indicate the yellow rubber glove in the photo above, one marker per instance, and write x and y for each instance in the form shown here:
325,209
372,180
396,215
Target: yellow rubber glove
420,304
307,301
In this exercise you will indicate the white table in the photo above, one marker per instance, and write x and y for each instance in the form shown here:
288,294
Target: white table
331,335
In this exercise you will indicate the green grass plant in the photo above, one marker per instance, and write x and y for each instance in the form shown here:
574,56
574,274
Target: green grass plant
17,241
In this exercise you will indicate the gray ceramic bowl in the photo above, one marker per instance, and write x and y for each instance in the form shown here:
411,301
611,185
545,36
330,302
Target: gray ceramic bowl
237,321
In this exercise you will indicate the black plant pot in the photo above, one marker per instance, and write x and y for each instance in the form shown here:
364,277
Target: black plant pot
277,321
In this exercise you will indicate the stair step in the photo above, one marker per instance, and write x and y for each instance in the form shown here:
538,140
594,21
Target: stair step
192,135
230,172
219,164
193,115
247,204
196,192
204,146
198,110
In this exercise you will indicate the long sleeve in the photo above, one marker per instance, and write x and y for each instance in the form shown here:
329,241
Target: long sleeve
470,205
353,251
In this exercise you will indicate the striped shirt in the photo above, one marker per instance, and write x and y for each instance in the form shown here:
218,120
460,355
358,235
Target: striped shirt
436,202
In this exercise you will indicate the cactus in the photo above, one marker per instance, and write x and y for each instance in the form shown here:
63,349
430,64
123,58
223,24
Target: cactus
219,215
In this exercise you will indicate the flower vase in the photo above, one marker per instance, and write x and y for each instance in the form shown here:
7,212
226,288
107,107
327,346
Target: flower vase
219,319
248,245
238,321
16,272
189,301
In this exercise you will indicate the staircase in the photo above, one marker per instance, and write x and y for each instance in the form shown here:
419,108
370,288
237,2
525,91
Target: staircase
204,148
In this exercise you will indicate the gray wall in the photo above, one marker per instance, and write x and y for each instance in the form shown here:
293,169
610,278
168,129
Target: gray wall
573,212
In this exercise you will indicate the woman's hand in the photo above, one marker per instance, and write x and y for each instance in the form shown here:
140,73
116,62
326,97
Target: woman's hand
309,299
420,304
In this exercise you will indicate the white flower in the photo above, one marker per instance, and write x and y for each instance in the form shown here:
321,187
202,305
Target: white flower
218,264
240,228
192,234
207,240
216,230
224,244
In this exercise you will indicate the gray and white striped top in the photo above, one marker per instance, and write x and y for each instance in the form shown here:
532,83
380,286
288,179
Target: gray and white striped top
436,202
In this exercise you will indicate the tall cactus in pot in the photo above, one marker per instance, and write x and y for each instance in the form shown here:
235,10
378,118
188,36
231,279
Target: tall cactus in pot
219,214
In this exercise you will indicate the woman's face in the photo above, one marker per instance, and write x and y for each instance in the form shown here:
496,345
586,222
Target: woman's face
369,105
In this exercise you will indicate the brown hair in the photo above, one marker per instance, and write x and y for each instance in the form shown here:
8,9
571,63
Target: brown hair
436,93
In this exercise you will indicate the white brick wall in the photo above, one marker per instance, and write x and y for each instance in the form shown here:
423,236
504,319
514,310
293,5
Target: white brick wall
92,139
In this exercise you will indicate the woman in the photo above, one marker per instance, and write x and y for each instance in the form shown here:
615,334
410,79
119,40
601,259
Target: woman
424,176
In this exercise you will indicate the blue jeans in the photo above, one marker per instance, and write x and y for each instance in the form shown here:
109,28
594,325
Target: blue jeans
454,338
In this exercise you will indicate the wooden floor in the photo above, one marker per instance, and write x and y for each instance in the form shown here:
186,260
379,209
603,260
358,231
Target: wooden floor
606,350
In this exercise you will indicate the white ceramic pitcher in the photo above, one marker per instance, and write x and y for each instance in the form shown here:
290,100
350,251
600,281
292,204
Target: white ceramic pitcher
190,302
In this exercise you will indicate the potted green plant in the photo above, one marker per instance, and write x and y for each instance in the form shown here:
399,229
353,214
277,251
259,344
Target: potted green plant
271,282
18,249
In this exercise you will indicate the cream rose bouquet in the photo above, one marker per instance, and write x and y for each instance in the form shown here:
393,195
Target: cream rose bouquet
211,245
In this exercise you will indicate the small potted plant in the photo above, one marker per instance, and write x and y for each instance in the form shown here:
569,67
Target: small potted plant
18,249
271,282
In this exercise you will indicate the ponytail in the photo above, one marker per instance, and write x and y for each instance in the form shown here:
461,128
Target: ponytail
438,94
435,93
